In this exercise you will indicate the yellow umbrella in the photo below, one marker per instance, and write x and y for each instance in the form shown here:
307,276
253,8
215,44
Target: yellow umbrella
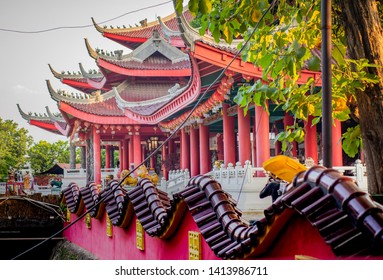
284,167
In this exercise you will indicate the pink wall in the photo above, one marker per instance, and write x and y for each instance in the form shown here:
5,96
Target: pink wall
123,243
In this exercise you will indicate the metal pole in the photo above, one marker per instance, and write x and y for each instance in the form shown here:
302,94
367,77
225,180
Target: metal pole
326,83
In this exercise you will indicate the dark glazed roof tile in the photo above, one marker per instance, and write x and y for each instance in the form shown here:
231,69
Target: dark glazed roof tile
73,198
347,219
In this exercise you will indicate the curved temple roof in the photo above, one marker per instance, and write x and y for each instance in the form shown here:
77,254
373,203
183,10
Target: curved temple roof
132,37
155,57
48,121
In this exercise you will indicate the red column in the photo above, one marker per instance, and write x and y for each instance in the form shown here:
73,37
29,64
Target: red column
122,149
220,146
164,157
311,145
137,157
262,137
244,145
97,155
120,155
152,162
194,151
185,147
254,151
107,156
337,157
228,136
125,154
289,121
131,151
171,147
204,151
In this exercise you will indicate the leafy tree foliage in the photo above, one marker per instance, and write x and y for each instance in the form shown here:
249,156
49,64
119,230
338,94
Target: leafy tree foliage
43,155
14,142
287,39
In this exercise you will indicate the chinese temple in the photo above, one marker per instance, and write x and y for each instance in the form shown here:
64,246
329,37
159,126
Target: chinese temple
139,96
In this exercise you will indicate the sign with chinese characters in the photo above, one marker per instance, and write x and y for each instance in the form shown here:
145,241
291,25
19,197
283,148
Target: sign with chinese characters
88,221
68,215
140,236
109,226
194,245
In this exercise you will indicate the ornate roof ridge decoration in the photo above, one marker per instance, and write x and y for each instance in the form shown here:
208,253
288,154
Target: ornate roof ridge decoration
93,54
191,35
54,117
143,24
192,90
67,75
173,92
167,31
98,53
35,116
78,98
87,75
95,80
154,44
202,110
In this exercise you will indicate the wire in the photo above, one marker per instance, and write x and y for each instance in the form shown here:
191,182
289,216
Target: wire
82,26
112,189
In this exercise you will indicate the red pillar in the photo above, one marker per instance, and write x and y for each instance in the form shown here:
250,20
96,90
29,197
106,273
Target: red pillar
254,151
97,155
337,157
107,156
120,155
171,147
152,162
194,152
125,154
204,151
164,157
185,147
228,136
122,149
137,157
289,121
262,137
311,145
244,145
220,146
131,151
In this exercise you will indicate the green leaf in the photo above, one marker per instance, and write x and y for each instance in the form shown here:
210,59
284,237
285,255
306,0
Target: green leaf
179,6
314,63
193,6
205,6
315,121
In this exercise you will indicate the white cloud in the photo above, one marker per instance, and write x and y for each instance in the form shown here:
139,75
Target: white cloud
23,89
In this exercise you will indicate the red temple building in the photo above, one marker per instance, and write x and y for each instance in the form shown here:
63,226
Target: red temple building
142,94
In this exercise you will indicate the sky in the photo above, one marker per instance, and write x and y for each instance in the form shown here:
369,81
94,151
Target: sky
25,57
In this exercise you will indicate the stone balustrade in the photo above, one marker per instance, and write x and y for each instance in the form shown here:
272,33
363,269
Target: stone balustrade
178,179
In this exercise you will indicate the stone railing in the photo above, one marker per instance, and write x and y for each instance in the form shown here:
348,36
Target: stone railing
178,179
245,182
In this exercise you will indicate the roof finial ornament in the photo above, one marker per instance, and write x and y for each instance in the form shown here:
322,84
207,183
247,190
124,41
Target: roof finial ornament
144,22
156,37
118,53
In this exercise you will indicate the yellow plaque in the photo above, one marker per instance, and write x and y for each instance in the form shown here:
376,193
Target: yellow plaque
68,215
88,221
109,226
140,236
195,245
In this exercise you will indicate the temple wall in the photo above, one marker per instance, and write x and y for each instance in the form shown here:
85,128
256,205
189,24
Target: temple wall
296,239
123,243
